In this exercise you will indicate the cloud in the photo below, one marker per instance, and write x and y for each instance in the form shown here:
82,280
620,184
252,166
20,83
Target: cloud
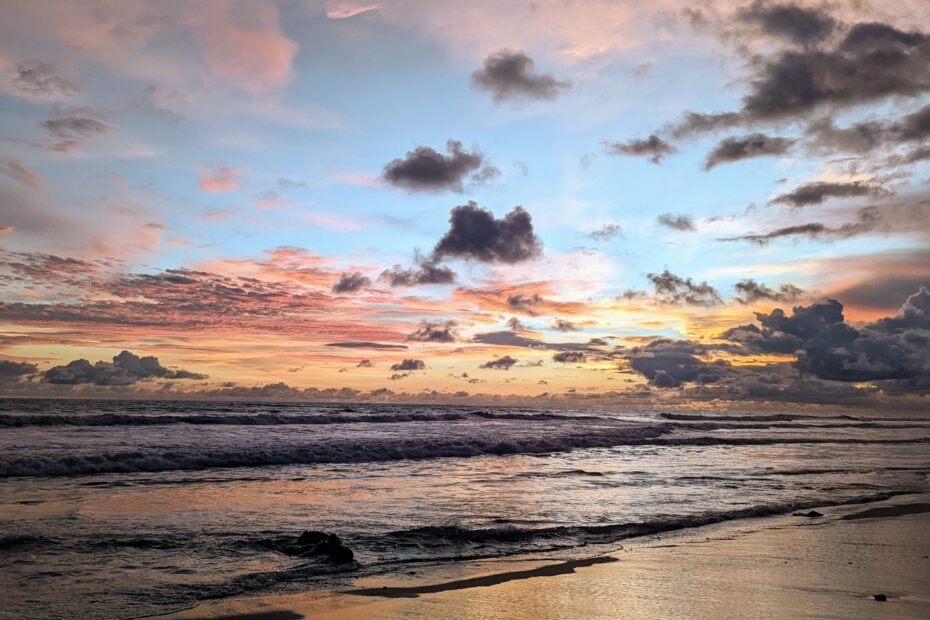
527,304
798,24
680,222
348,11
427,271
746,147
562,325
125,369
868,219
71,130
670,363
366,345
749,291
409,364
858,138
870,63
501,363
435,331
606,232
475,234
895,349
39,81
427,170
510,75
865,136
248,50
653,147
11,372
221,179
516,324
14,169
351,282
366,363
673,290
569,357
815,193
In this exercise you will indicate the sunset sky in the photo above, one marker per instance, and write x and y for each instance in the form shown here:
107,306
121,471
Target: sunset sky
579,201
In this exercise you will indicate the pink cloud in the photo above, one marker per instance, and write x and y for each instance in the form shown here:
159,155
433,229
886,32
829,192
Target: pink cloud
270,201
221,179
347,11
249,50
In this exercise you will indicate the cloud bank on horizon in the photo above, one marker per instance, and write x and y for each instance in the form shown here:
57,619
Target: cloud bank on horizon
605,202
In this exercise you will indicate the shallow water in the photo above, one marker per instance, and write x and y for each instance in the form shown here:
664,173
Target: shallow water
116,509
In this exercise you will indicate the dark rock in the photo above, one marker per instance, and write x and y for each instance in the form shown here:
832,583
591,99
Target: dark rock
880,597
312,537
312,544
812,514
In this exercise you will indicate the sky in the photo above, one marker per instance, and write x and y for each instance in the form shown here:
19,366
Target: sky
568,202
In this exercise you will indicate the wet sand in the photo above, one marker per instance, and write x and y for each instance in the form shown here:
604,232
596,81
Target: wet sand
777,567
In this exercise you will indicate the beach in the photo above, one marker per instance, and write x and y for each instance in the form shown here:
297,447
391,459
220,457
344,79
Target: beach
785,566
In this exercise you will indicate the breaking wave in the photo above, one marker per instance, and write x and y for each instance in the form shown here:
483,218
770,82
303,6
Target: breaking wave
380,450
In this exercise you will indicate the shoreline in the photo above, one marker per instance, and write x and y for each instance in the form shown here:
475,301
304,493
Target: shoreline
797,565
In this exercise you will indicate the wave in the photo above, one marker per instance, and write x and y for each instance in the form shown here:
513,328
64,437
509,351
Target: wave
442,535
268,419
783,417
375,450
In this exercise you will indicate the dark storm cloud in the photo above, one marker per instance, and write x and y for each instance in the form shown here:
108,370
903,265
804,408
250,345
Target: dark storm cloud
815,193
798,24
868,219
914,126
475,234
501,363
653,147
891,349
510,75
12,371
568,357
606,232
693,123
865,136
408,364
426,272
366,345
125,369
857,138
870,63
669,363
674,290
351,282
425,169
749,291
562,325
39,80
528,304
746,147
886,290
434,331
684,223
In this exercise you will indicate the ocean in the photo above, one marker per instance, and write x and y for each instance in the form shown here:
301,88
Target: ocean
123,509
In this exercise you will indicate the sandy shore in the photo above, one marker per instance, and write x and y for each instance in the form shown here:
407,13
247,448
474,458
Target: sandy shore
789,566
